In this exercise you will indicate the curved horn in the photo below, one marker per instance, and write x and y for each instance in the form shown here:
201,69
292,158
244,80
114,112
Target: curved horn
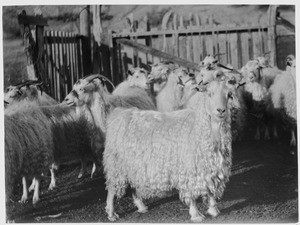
266,53
218,54
220,65
98,76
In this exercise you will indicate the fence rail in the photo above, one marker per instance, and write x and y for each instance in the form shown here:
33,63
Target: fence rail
234,44
66,57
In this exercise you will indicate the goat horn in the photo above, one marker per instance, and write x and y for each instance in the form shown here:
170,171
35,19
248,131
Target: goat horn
220,65
219,54
266,53
99,76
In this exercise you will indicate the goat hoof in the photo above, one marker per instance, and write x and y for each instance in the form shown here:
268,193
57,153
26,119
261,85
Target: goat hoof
35,201
51,187
114,217
213,211
197,219
144,210
23,200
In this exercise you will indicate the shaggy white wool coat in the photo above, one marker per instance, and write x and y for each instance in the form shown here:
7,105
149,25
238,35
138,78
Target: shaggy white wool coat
155,152
283,93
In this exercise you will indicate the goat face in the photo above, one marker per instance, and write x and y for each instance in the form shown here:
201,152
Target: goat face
138,77
14,93
252,71
221,98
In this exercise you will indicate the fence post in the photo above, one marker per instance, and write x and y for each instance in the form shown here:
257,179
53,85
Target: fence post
85,31
34,46
272,34
113,64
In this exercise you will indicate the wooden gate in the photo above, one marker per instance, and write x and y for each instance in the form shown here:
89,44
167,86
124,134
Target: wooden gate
232,44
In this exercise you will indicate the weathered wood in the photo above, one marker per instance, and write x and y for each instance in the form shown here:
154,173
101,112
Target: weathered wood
158,54
85,30
183,31
32,20
284,22
97,25
244,48
233,40
272,33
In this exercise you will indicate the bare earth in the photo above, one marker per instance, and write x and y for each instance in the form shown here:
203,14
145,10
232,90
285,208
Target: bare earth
263,188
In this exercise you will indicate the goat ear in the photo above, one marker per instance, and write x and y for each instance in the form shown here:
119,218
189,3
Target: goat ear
19,92
235,103
130,72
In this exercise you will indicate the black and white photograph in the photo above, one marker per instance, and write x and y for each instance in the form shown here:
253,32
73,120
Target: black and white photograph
150,112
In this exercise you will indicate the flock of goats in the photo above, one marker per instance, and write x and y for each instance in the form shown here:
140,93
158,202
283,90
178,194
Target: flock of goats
158,131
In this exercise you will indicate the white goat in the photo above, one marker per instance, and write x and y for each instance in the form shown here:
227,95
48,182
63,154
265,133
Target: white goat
91,92
29,90
154,152
172,88
137,77
73,135
283,95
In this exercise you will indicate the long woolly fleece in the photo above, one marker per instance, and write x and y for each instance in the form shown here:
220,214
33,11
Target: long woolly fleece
156,152
283,93
33,94
135,97
28,147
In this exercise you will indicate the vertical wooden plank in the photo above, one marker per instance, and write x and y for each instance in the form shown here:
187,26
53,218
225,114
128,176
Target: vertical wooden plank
234,51
175,37
245,47
189,46
209,44
182,41
52,72
196,38
250,45
256,44
45,59
265,41
221,38
272,34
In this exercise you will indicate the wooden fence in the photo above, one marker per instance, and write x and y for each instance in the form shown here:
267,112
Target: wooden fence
233,44
61,58
62,62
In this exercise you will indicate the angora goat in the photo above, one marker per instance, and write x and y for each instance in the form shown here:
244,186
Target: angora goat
73,135
92,94
283,94
137,77
29,90
172,89
28,150
187,150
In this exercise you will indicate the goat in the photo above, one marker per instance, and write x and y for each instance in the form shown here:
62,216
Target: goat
154,152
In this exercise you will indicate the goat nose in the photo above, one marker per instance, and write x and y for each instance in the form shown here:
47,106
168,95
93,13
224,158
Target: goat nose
221,110
66,99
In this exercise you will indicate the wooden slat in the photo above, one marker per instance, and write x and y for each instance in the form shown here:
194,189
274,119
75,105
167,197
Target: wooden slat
222,48
233,39
159,54
245,47
256,44
183,31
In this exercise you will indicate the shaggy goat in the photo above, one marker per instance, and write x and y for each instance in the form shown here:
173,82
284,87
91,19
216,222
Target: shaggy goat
28,90
137,77
92,94
187,150
173,89
28,150
73,135
283,95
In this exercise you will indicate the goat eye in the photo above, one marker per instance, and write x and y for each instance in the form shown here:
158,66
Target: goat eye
230,95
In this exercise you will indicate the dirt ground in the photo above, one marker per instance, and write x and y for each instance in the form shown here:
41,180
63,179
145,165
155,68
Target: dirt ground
263,188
